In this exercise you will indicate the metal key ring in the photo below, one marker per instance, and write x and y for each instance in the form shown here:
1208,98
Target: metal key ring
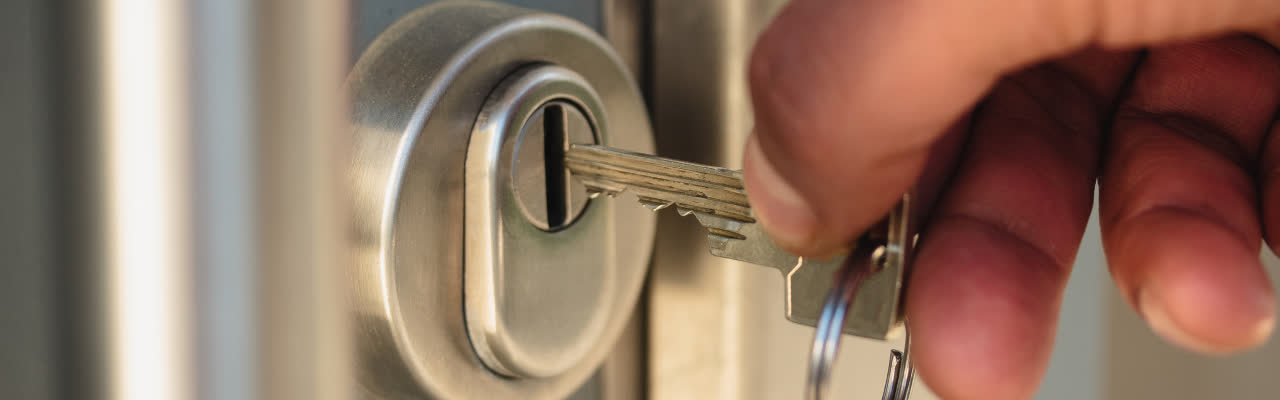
826,340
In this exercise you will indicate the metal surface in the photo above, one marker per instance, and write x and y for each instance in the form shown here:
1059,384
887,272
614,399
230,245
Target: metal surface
626,24
413,93
370,17
28,339
717,199
196,198
536,299
877,311
901,373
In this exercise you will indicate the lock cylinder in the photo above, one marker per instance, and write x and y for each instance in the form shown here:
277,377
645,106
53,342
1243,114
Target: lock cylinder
547,195
539,263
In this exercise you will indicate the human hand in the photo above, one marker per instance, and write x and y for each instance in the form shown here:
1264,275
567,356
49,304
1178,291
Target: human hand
1001,116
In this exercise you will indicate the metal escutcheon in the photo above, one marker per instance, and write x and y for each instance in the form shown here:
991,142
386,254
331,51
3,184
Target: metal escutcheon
473,278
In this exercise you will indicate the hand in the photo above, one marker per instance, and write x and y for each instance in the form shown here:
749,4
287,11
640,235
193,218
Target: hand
1002,116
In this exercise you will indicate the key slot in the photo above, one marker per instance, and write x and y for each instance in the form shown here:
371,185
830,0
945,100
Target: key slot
555,144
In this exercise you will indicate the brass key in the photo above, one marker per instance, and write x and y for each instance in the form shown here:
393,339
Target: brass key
717,198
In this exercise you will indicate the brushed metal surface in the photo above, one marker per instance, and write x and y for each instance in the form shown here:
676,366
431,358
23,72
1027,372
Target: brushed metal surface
415,94
370,17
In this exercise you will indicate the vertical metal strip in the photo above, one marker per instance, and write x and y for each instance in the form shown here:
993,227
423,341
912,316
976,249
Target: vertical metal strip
147,215
300,63
224,179
26,341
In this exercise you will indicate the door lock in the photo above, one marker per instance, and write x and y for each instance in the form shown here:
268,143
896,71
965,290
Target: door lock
483,270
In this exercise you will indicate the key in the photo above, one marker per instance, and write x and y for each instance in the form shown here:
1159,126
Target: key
717,198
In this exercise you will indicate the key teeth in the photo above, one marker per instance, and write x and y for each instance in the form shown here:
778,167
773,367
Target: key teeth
717,233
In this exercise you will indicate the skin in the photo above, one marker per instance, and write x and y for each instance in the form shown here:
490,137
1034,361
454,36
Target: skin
1001,115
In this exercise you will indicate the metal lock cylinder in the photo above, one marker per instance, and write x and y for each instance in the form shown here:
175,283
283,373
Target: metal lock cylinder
538,259
549,198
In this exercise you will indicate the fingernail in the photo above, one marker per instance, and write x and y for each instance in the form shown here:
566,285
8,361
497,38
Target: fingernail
1158,319
1264,329
782,211
1267,305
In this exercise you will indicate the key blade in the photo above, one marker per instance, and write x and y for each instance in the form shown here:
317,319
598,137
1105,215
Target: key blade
622,159
698,185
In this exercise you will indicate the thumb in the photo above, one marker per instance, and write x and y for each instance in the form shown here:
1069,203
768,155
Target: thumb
850,95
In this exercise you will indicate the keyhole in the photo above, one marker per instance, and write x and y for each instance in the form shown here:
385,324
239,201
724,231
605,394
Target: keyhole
556,142
547,194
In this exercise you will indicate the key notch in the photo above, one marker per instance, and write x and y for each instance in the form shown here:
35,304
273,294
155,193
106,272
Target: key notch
548,195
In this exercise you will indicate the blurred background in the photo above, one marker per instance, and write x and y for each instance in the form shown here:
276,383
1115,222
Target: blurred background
172,215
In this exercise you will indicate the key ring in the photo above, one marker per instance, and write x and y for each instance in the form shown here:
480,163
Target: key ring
826,340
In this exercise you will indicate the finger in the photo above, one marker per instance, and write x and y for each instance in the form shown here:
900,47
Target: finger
1269,167
1269,179
850,95
1179,203
995,258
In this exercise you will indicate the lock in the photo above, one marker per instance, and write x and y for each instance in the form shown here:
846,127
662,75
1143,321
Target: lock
481,268
539,264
